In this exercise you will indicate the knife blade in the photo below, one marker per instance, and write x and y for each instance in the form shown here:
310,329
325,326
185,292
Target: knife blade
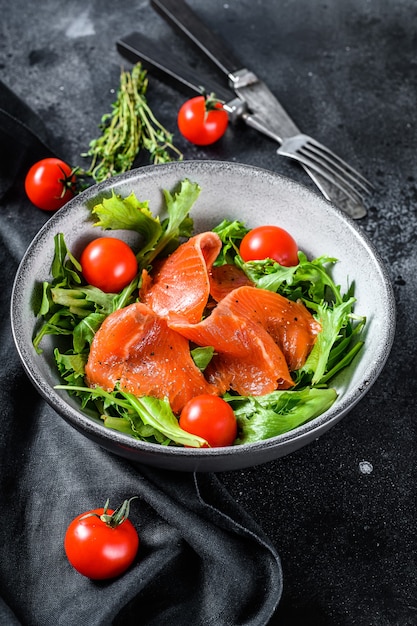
263,111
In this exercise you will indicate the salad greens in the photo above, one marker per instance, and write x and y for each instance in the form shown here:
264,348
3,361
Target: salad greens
75,311
262,417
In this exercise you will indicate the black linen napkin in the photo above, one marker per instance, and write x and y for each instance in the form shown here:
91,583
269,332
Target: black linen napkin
23,138
202,560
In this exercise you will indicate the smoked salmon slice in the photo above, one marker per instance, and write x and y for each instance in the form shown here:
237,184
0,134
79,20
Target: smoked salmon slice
181,282
258,336
289,323
135,348
225,278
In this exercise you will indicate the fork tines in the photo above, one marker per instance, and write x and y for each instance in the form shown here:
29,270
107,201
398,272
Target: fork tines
317,157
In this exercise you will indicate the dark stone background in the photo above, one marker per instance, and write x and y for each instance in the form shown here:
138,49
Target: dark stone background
347,73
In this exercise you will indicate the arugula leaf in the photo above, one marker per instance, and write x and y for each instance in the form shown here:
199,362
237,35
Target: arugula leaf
178,223
309,280
262,417
332,320
202,356
65,268
71,366
341,354
60,323
81,298
231,234
139,412
46,300
85,330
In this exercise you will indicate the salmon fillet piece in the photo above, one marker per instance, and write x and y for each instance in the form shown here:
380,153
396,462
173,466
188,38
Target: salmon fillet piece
225,278
258,337
289,323
135,348
181,282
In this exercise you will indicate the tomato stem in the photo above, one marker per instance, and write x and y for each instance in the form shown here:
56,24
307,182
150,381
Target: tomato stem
118,516
68,181
212,102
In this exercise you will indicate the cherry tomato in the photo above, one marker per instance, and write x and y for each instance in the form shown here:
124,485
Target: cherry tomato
211,418
109,264
269,242
202,120
102,543
49,184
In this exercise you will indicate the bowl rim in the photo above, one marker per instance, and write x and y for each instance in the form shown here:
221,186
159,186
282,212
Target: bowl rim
128,446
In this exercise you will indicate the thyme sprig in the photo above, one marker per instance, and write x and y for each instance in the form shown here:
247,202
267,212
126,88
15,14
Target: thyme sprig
129,128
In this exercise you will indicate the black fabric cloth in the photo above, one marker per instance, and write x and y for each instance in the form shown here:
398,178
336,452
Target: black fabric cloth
23,138
202,560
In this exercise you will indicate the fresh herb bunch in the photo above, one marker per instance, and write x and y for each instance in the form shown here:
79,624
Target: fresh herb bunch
129,128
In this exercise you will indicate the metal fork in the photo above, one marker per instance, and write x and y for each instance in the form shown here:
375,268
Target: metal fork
329,165
337,180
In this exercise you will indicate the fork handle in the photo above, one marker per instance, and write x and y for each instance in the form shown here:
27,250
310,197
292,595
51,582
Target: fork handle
183,19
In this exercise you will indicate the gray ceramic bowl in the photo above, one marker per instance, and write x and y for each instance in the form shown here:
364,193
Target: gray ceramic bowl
229,190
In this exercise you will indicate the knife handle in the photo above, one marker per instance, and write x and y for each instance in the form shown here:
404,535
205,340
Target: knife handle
182,18
154,57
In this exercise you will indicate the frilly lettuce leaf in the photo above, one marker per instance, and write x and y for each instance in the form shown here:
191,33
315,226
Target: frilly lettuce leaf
231,234
262,417
117,213
143,417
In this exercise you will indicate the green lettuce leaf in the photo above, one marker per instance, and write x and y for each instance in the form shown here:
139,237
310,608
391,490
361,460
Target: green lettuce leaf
262,417
135,428
71,366
158,414
202,356
117,213
178,224
332,321
146,411
309,280
231,234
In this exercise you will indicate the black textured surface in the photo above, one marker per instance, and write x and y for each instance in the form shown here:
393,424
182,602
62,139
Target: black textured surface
345,529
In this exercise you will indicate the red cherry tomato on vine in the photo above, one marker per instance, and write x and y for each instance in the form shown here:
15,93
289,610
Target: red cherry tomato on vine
49,184
109,264
102,543
269,242
202,120
211,418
